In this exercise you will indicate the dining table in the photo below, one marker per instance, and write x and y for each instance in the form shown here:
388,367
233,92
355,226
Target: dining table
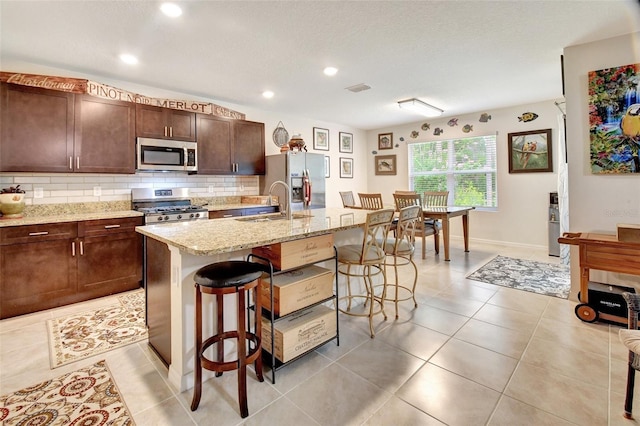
445,213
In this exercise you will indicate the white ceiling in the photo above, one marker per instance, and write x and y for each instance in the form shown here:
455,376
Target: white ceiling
461,56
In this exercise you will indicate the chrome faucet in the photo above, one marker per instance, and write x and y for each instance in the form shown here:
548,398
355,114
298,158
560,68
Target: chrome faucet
287,206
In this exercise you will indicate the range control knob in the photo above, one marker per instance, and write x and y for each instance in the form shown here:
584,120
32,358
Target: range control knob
179,216
159,218
166,218
191,216
197,215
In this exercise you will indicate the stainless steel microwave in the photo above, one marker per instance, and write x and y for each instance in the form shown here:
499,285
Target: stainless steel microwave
166,155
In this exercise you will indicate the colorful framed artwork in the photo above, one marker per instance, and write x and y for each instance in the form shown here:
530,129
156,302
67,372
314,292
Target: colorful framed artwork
346,167
385,164
320,139
327,162
385,141
614,120
346,142
530,151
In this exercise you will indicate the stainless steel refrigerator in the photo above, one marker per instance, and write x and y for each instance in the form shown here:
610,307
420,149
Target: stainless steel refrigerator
303,172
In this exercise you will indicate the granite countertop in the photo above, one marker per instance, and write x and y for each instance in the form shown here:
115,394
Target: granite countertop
208,237
67,217
48,216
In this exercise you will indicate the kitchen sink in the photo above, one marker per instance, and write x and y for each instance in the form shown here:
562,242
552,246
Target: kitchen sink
274,217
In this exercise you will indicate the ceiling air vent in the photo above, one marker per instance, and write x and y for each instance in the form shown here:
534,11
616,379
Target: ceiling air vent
358,88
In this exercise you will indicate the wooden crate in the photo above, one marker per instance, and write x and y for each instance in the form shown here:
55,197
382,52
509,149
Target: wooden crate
296,289
629,233
300,332
292,254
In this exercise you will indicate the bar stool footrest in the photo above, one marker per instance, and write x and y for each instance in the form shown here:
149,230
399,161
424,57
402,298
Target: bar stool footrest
221,366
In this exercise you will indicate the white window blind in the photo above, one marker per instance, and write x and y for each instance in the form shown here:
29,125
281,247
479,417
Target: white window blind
466,167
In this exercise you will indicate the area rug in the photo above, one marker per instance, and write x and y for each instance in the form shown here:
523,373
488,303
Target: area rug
90,333
88,396
528,275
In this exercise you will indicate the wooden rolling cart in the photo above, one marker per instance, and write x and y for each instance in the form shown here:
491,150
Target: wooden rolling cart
606,253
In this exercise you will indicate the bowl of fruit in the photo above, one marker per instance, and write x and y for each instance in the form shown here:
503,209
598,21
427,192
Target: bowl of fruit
12,202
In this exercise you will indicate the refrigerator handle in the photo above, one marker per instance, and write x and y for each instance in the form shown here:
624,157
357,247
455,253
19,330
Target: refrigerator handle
306,188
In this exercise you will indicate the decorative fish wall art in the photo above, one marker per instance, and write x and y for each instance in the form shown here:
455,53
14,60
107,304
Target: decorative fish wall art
425,126
484,117
528,116
401,138
414,134
453,122
438,131
467,128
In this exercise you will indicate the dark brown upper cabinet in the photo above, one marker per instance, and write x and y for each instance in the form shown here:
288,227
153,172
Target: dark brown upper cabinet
36,132
51,131
165,123
229,147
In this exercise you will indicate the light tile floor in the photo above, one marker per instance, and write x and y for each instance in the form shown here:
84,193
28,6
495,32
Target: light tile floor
470,354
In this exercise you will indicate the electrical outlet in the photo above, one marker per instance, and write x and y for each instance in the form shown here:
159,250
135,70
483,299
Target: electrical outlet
97,191
211,188
38,193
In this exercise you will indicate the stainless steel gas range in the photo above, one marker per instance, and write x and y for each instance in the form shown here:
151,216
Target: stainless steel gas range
166,205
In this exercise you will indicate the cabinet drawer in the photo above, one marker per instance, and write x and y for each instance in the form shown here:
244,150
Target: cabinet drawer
260,210
94,228
220,214
36,233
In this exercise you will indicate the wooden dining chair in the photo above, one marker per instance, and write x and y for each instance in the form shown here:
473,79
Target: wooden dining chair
435,198
348,201
371,201
426,227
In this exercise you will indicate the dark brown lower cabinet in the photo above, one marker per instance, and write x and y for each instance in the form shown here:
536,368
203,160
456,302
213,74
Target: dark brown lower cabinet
158,292
51,265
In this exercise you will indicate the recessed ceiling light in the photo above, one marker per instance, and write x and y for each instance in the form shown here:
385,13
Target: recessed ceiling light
172,10
128,59
267,94
330,71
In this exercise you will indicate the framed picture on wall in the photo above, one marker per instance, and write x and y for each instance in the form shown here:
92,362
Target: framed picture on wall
346,142
346,167
385,164
320,139
385,141
530,151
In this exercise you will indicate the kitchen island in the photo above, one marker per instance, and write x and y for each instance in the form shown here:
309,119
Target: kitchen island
175,251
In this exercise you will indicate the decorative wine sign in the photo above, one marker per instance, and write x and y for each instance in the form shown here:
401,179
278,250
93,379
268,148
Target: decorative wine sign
614,120
99,90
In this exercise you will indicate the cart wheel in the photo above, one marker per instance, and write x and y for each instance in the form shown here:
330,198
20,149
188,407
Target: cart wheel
586,313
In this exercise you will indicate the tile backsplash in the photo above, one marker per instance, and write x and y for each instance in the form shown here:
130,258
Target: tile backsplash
86,188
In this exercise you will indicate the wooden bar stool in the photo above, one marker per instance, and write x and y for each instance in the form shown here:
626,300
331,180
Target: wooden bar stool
231,277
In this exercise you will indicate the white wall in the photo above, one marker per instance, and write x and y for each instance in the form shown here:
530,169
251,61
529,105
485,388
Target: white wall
523,198
77,187
596,202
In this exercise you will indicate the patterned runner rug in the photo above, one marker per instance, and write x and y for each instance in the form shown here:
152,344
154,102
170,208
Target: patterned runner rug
79,336
84,397
528,275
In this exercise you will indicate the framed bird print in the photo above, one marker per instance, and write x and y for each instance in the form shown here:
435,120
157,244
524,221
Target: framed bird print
530,151
385,164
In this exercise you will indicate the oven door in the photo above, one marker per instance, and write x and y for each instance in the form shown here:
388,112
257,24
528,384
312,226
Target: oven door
165,155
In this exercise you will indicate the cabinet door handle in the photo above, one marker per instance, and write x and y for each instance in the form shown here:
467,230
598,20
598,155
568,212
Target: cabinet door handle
171,131
81,249
70,163
165,131
35,234
111,226
73,249
78,163
227,215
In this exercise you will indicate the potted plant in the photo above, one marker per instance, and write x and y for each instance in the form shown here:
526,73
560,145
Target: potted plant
12,202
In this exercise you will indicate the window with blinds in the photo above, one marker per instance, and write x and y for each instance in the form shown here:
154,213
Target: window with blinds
466,167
